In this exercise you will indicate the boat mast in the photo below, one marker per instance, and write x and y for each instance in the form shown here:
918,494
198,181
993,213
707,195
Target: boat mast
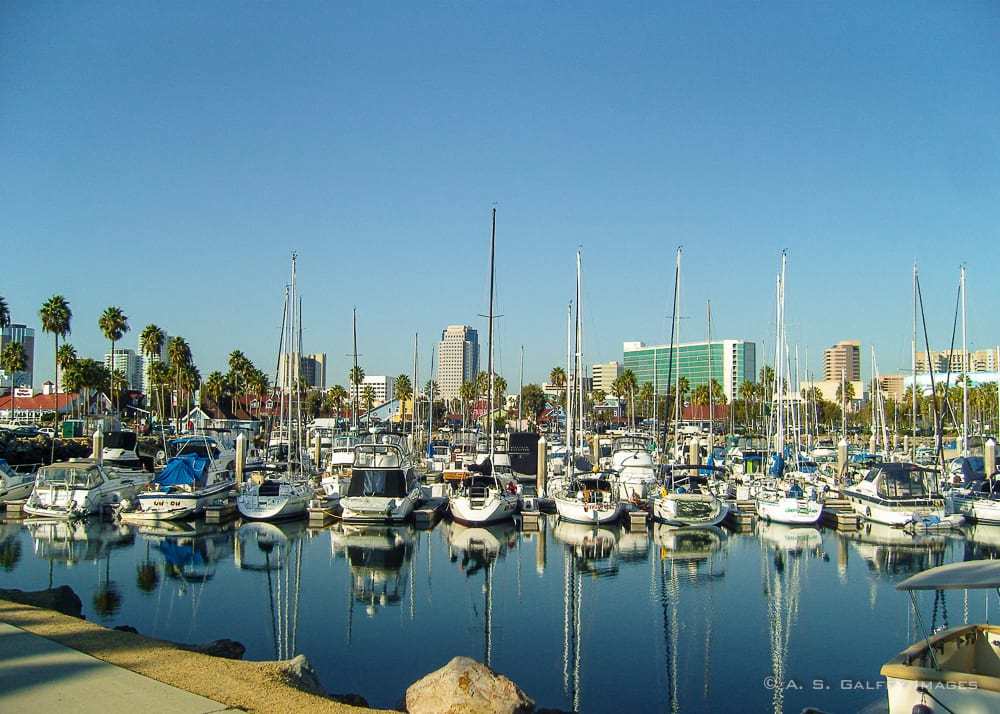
489,397
568,392
354,374
430,401
579,342
520,390
413,396
670,362
965,372
779,351
913,365
676,348
711,402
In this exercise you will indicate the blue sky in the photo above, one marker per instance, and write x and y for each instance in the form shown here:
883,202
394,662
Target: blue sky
168,157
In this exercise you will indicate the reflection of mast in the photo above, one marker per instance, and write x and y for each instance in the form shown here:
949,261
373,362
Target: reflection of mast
571,629
488,615
783,610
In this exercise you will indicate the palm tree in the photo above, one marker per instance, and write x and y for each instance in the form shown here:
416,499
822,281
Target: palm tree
467,393
65,356
151,341
56,317
215,387
499,389
114,325
179,354
368,398
240,368
404,390
356,376
337,396
12,360
159,378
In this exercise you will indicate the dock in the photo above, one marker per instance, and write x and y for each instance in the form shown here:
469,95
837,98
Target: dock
638,520
741,516
531,521
838,514
430,511
219,514
15,509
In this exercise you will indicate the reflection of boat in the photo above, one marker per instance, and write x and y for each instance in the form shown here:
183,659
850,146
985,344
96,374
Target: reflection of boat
376,555
953,670
633,546
74,489
191,557
492,541
891,551
789,538
77,540
275,549
896,494
593,547
687,543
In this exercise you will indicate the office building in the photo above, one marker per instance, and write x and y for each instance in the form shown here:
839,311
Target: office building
313,370
943,361
605,374
457,359
25,336
381,385
728,362
129,364
842,361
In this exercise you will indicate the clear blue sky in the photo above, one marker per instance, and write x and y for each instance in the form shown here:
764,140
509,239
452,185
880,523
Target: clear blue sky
167,157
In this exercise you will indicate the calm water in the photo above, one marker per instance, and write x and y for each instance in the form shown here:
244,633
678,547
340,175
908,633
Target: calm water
584,619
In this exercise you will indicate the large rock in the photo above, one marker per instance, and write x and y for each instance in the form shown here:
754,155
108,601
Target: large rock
229,649
61,599
465,686
300,674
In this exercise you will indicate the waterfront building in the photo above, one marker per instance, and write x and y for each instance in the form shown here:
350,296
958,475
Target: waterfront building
457,359
842,361
605,374
26,337
128,363
893,386
732,363
380,384
312,369
943,360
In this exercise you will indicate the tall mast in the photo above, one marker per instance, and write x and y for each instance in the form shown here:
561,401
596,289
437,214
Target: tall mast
357,385
779,351
670,358
520,390
413,396
570,449
489,398
965,373
579,339
576,353
711,403
913,365
430,401
676,348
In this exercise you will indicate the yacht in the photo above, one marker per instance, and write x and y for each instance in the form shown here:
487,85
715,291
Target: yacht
119,450
78,488
979,501
632,462
780,503
14,485
481,497
683,503
951,670
589,498
897,494
337,474
384,487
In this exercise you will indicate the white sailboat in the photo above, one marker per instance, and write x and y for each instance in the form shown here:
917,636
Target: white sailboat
284,491
482,497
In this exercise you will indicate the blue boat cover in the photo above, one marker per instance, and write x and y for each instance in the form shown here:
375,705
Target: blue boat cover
184,470
777,465
179,555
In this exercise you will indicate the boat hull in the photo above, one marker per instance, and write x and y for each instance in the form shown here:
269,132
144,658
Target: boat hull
288,504
670,511
891,514
978,510
792,511
576,511
492,510
160,506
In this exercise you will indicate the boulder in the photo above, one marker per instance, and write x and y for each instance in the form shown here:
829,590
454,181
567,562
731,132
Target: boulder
61,599
228,649
355,700
127,628
465,686
300,674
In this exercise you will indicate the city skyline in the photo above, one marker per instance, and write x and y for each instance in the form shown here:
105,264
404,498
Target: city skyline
188,151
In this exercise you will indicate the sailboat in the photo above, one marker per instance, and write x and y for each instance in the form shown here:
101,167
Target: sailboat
285,491
481,497
777,500
584,498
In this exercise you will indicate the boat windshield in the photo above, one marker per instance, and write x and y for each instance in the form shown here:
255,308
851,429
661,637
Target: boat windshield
124,440
204,448
902,483
631,443
70,477
387,483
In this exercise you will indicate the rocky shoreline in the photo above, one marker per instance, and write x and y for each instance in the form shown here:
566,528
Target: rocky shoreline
217,671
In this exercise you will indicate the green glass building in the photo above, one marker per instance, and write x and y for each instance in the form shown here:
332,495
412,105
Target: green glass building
729,362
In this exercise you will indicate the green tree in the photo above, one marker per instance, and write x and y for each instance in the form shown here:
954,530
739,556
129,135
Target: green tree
216,387
65,356
151,341
403,388
467,395
159,380
179,354
336,397
114,324
13,359
355,377
534,400
56,317
368,398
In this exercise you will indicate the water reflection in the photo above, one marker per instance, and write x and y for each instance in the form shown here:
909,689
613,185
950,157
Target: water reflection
275,551
10,546
593,547
892,552
71,542
190,551
376,555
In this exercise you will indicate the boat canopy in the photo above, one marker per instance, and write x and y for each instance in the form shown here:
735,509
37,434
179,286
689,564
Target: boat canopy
185,470
73,475
970,575
124,440
384,483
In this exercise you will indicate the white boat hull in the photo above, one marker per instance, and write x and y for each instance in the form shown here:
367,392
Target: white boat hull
978,510
288,503
378,509
793,511
478,512
576,511
159,506
671,510
890,515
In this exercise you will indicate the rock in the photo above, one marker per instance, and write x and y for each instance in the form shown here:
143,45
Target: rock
355,700
127,628
61,599
228,649
300,674
465,686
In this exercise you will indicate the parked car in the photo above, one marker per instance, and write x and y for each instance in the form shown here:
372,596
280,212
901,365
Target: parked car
48,431
26,431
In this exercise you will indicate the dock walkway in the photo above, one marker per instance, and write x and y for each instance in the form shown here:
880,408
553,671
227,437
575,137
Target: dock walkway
39,675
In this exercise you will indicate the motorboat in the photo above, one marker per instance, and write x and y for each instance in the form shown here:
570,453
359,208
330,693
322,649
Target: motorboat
120,450
632,462
337,474
589,498
955,669
682,502
78,488
979,501
778,503
14,485
183,488
384,487
897,493
482,497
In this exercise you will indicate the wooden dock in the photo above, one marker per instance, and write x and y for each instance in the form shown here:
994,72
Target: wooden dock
429,513
531,521
741,516
838,513
220,514
638,520
15,509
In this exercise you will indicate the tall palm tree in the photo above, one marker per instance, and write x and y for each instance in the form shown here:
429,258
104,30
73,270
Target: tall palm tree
215,387
151,341
159,378
56,317
467,393
65,357
404,390
337,396
12,360
179,354
356,376
499,389
114,324
368,398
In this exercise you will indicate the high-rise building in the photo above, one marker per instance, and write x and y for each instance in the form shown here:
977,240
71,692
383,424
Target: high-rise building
605,374
945,360
147,360
128,363
313,370
842,361
25,336
381,385
728,362
457,359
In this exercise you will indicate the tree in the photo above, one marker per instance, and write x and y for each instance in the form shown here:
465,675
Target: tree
356,376
534,400
65,356
114,324
215,387
403,388
467,394
336,396
646,394
151,341
179,354
499,389
368,398
557,378
849,391
159,379
313,403
56,316
12,360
